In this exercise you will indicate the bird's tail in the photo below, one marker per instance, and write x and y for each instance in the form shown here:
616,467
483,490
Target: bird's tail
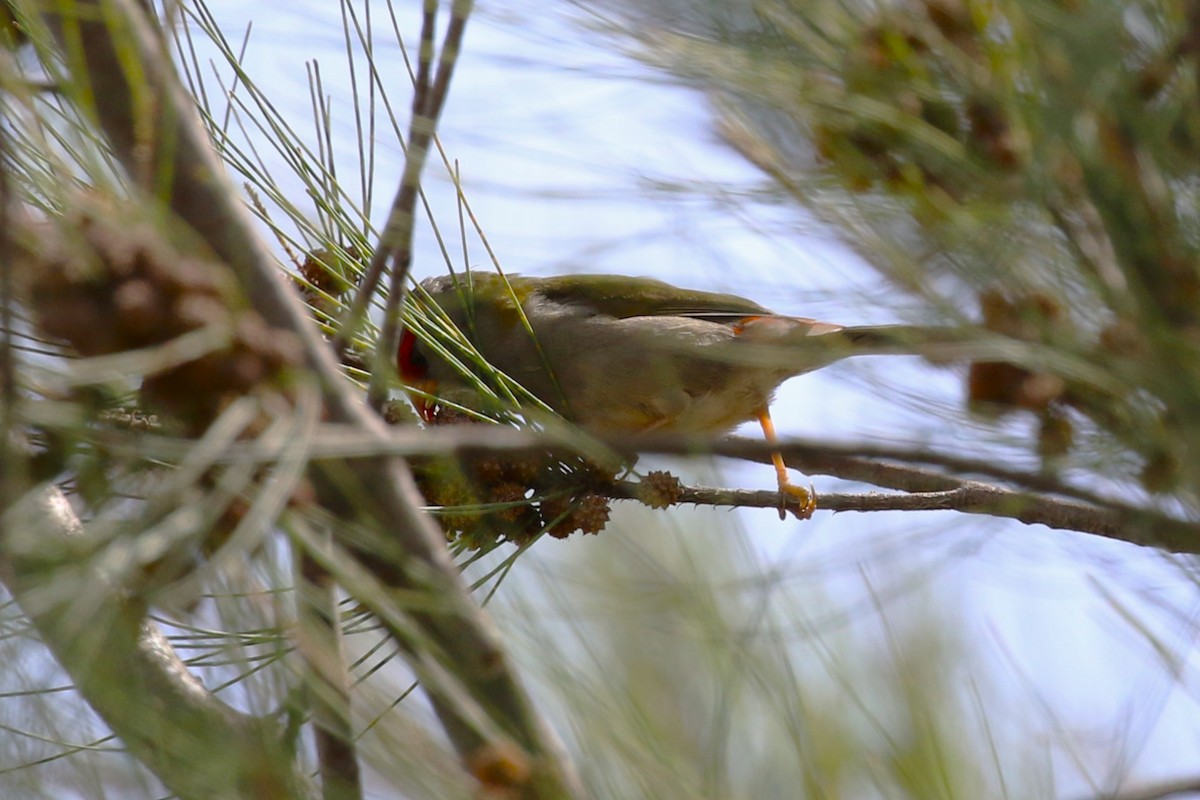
810,345
939,344
902,339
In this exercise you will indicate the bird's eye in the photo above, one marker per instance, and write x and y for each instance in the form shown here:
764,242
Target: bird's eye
419,362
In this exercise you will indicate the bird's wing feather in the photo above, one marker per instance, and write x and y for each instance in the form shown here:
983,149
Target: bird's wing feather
624,297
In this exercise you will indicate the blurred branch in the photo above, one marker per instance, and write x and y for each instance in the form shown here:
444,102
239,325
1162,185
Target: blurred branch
1173,788
812,456
1036,498
115,55
126,668
851,462
397,240
395,245
321,643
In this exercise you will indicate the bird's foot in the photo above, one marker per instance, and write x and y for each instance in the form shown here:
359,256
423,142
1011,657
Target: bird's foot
796,499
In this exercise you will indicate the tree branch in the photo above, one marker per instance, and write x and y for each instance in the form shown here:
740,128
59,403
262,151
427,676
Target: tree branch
970,497
319,640
924,489
127,670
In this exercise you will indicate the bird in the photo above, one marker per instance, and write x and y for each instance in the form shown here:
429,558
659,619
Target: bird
619,355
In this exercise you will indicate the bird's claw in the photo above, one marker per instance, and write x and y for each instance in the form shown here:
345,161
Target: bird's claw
798,500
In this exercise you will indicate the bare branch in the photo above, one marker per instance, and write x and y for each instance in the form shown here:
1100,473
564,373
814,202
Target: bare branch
1060,505
970,497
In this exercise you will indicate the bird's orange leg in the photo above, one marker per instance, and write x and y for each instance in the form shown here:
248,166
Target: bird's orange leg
805,499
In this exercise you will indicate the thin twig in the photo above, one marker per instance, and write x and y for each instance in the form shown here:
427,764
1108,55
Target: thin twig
321,643
970,497
396,241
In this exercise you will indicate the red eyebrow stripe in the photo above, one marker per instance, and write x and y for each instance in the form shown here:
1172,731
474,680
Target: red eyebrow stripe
404,356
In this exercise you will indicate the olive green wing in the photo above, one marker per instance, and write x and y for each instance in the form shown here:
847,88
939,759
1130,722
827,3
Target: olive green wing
622,297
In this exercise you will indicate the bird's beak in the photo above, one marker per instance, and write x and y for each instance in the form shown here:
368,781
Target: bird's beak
420,392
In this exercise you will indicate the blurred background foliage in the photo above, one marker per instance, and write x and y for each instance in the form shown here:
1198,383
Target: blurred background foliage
1030,166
